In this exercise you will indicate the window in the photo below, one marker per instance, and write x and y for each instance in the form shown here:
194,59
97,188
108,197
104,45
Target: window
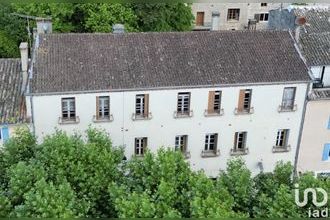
183,107
233,14
326,152
103,107
181,143
200,18
240,143
142,106
68,109
211,142
263,4
140,146
214,102
282,138
263,17
244,101
288,98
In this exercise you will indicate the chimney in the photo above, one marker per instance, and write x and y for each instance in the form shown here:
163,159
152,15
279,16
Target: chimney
44,25
300,21
215,20
118,29
24,63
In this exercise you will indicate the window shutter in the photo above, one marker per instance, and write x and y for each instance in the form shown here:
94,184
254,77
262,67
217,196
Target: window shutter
145,144
235,140
329,124
326,152
97,107
184,143
257,17
240,106
215,142
5,133
210,108
146,105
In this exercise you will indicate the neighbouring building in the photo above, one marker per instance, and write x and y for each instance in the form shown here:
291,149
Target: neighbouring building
233,16
212,95
13,77
311,28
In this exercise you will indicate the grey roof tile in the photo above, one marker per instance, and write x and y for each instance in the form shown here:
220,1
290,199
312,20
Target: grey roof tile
12,104
80,62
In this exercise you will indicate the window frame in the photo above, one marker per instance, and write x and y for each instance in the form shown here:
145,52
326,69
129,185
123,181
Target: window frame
181,143
70,109
264,17
207,143
263,4
284,103
103,110
140,106
233,14
237,141
181,105
282,138
140,146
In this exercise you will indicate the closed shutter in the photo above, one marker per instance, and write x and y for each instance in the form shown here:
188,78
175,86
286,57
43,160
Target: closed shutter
240,106
326,152
146,105
97,107
210,108
5,133
200,19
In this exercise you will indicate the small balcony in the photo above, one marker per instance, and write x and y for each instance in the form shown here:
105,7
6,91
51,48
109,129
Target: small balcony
102,119
212,113
287,108
186,114
281,149
244,111
71,120
210,153
238,152
139,117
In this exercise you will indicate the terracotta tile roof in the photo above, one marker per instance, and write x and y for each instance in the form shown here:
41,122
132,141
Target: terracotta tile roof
12,104
130,61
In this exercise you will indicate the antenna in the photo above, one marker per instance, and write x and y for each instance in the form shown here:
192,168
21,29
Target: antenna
28,18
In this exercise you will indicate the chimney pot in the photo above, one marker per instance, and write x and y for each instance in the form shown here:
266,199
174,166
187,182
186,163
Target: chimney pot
118,29
24,63
215,20
44,25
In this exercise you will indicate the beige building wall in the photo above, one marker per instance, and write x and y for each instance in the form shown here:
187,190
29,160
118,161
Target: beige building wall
247,11
314,136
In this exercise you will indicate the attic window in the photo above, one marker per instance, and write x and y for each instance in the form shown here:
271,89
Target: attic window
233,14
263,4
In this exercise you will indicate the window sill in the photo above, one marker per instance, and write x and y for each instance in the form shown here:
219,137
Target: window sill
281,149
207,113
137,117
244,112
183,115
100,120
234,152
232,20
283,109
64,121
210,153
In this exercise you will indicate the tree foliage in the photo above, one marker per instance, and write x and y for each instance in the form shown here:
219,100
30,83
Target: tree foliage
83,175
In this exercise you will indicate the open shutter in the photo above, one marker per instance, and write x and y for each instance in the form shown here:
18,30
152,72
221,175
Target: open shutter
5,133
235,141
215,143
146,105
240,106
184,149
326,152
210,108
97,107
145,144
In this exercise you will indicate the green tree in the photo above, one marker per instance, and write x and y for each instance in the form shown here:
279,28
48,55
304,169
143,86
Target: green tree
164,17
237,180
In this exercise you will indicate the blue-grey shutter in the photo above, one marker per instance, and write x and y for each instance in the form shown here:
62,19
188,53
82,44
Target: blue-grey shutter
326,152
329,123
5,133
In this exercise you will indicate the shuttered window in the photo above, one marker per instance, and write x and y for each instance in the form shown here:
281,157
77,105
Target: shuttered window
240,141
181,143
288,98
103,107
211,142
244,100
183,106
142,105
140,146
214,102
282,137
